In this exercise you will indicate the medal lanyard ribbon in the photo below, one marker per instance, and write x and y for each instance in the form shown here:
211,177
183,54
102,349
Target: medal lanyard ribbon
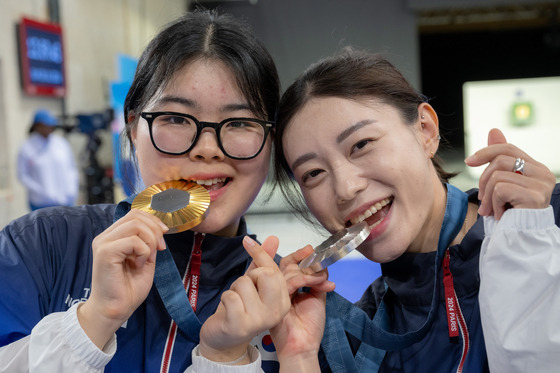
170,286
171,289
343,316
172,292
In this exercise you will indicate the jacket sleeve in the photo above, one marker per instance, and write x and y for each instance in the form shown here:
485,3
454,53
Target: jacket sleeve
202,365
56,344
520,291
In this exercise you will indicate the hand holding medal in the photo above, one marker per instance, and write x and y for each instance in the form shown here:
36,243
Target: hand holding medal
125,254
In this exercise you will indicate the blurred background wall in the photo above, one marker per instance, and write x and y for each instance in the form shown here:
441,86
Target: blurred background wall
94,34
439,45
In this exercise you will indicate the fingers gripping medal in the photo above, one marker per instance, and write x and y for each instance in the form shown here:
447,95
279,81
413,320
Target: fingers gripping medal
335,248
180,205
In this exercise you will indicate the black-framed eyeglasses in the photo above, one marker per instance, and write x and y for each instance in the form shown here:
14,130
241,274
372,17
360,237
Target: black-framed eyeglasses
177,133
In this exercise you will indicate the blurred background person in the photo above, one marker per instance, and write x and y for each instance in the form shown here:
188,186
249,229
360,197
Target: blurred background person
46,165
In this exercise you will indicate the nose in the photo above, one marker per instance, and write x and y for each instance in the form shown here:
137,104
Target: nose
206,147
348,183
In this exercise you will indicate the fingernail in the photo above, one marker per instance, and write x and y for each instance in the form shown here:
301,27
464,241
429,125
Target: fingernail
469,158
164,227
482,210
249,241
162,243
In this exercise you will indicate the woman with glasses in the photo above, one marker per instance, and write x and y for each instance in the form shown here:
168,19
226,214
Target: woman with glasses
81,287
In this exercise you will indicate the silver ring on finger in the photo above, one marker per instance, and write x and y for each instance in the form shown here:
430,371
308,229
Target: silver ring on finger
519,166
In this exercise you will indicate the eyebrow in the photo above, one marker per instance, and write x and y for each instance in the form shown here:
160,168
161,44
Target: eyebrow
341,137
177,100
236,107
350,130
192,104
302,159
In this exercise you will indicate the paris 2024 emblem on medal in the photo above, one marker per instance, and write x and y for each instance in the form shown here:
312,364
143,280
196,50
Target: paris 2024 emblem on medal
179,204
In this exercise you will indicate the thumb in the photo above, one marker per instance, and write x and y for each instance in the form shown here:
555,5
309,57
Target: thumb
495,136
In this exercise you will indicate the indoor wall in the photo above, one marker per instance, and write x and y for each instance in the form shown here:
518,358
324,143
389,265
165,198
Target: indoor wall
94,33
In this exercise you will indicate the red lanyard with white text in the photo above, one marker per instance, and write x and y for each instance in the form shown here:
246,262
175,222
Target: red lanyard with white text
192,277
451,304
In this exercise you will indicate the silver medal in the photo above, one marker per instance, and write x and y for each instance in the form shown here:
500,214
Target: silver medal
335,248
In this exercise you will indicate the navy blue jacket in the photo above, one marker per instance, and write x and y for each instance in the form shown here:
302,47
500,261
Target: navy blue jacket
410,284
45,266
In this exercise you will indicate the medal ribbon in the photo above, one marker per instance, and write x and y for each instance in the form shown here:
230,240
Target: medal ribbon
170,287
343,316
172,292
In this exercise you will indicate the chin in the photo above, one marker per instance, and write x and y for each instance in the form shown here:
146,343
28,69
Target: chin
217,227
379,255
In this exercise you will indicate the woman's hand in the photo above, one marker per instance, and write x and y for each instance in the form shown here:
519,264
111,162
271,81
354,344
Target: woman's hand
298,337
123,271
500,187
254,303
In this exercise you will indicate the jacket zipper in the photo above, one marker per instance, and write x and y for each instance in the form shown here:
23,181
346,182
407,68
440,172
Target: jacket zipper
464,334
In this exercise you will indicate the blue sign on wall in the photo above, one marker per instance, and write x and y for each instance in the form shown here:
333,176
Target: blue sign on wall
42,58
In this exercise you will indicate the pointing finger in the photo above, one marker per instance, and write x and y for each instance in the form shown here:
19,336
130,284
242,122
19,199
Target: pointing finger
262,255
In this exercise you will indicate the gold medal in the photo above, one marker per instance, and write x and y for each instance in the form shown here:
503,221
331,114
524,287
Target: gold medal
180,205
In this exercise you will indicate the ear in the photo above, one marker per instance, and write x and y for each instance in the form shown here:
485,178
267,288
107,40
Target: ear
429,128
134,129
133,139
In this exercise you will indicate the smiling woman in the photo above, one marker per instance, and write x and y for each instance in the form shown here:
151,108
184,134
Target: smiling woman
360,143
198,113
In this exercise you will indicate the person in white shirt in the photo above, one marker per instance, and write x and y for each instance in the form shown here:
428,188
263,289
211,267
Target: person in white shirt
46,165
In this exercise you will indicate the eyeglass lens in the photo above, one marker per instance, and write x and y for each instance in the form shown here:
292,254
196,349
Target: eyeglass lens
176,134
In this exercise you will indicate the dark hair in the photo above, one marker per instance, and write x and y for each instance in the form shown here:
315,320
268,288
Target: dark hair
205,35
350,74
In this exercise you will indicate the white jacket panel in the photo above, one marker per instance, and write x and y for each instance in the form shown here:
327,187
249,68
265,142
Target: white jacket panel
520,291
56,344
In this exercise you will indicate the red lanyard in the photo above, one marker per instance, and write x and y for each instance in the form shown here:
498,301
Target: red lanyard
192,278
450,298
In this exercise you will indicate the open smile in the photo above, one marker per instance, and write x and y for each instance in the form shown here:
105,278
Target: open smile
213,184
373,215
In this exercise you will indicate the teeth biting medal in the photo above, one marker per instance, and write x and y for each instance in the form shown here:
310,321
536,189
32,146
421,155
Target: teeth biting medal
335,248
179,204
